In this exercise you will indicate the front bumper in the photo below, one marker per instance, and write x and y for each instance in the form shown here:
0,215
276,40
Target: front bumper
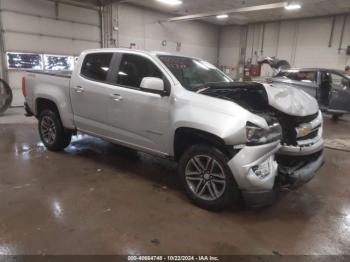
290,170
294,176
249,157
256,190
308,148
289,178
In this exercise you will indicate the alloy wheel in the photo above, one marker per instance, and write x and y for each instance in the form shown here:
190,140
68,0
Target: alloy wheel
205,177
48,130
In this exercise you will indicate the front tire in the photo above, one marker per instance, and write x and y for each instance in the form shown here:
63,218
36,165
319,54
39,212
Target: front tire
52,133
207,179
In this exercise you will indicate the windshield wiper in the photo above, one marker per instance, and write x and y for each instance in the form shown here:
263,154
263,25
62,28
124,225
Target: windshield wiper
202,89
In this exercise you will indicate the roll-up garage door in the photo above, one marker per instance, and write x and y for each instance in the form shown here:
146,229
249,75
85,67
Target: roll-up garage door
39,33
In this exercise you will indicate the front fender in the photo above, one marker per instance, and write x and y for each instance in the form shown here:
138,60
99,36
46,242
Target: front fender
219,117
228,128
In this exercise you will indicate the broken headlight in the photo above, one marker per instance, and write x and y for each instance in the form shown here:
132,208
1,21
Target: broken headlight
257,135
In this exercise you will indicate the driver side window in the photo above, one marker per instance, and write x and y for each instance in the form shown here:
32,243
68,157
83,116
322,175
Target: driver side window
133,68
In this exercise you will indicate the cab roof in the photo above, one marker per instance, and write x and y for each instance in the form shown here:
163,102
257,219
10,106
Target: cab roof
128,50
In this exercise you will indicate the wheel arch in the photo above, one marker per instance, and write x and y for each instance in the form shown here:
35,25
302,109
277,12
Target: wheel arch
186,137
66,117
42,104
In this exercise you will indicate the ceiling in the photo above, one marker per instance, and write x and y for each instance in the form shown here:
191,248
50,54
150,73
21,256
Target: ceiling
310,8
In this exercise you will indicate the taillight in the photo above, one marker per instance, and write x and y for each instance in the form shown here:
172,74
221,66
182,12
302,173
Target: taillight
24,91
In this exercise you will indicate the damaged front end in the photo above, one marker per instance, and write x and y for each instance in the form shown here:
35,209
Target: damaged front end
301,152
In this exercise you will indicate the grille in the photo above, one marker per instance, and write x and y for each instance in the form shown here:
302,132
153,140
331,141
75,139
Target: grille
289,123
305,119
312,135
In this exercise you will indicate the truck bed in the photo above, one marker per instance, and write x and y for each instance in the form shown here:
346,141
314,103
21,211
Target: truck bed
53,86
66,74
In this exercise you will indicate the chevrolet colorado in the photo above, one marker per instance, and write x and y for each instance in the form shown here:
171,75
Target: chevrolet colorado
230,139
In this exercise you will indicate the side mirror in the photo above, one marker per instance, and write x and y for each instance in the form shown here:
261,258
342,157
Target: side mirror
153,84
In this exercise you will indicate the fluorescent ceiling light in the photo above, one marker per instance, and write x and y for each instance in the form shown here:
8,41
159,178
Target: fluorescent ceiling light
223,16
170,2
292,6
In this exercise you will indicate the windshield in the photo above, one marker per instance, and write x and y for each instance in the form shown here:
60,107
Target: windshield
193,74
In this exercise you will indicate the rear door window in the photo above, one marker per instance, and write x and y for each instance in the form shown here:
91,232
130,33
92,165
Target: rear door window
133,68
301,76
96,66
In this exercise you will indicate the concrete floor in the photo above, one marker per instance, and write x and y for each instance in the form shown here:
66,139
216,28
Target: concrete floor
97,198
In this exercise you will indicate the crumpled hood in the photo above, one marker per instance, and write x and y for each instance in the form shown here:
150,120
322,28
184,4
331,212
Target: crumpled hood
291,100
258,98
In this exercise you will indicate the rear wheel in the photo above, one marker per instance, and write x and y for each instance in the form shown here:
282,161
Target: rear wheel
336,117
52,133
5,96
207,179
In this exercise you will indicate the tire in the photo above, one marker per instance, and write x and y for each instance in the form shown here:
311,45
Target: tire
52,133
5,96
336,117
213,190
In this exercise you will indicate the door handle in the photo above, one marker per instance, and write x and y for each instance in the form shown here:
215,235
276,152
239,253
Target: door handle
79,89
116,97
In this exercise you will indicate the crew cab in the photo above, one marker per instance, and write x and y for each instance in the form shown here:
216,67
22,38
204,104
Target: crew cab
230,139
330,87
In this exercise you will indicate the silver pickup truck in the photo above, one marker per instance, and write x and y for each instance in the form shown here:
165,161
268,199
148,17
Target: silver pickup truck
230,139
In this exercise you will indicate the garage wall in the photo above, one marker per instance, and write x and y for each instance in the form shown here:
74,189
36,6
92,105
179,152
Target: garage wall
229,45
39,26
304,43
141,26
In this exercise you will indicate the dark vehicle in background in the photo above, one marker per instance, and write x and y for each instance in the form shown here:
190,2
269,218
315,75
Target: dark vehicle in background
331,88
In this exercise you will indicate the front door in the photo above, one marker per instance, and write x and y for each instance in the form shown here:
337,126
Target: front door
339,101
138,117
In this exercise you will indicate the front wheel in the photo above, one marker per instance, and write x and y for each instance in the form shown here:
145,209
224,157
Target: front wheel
207,179
52,133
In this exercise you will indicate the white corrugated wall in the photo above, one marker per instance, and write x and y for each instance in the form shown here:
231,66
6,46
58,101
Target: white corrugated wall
140,26
41,26
302,42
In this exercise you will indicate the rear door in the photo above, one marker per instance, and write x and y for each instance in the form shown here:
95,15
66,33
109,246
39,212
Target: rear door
89,93
136,116
340,94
